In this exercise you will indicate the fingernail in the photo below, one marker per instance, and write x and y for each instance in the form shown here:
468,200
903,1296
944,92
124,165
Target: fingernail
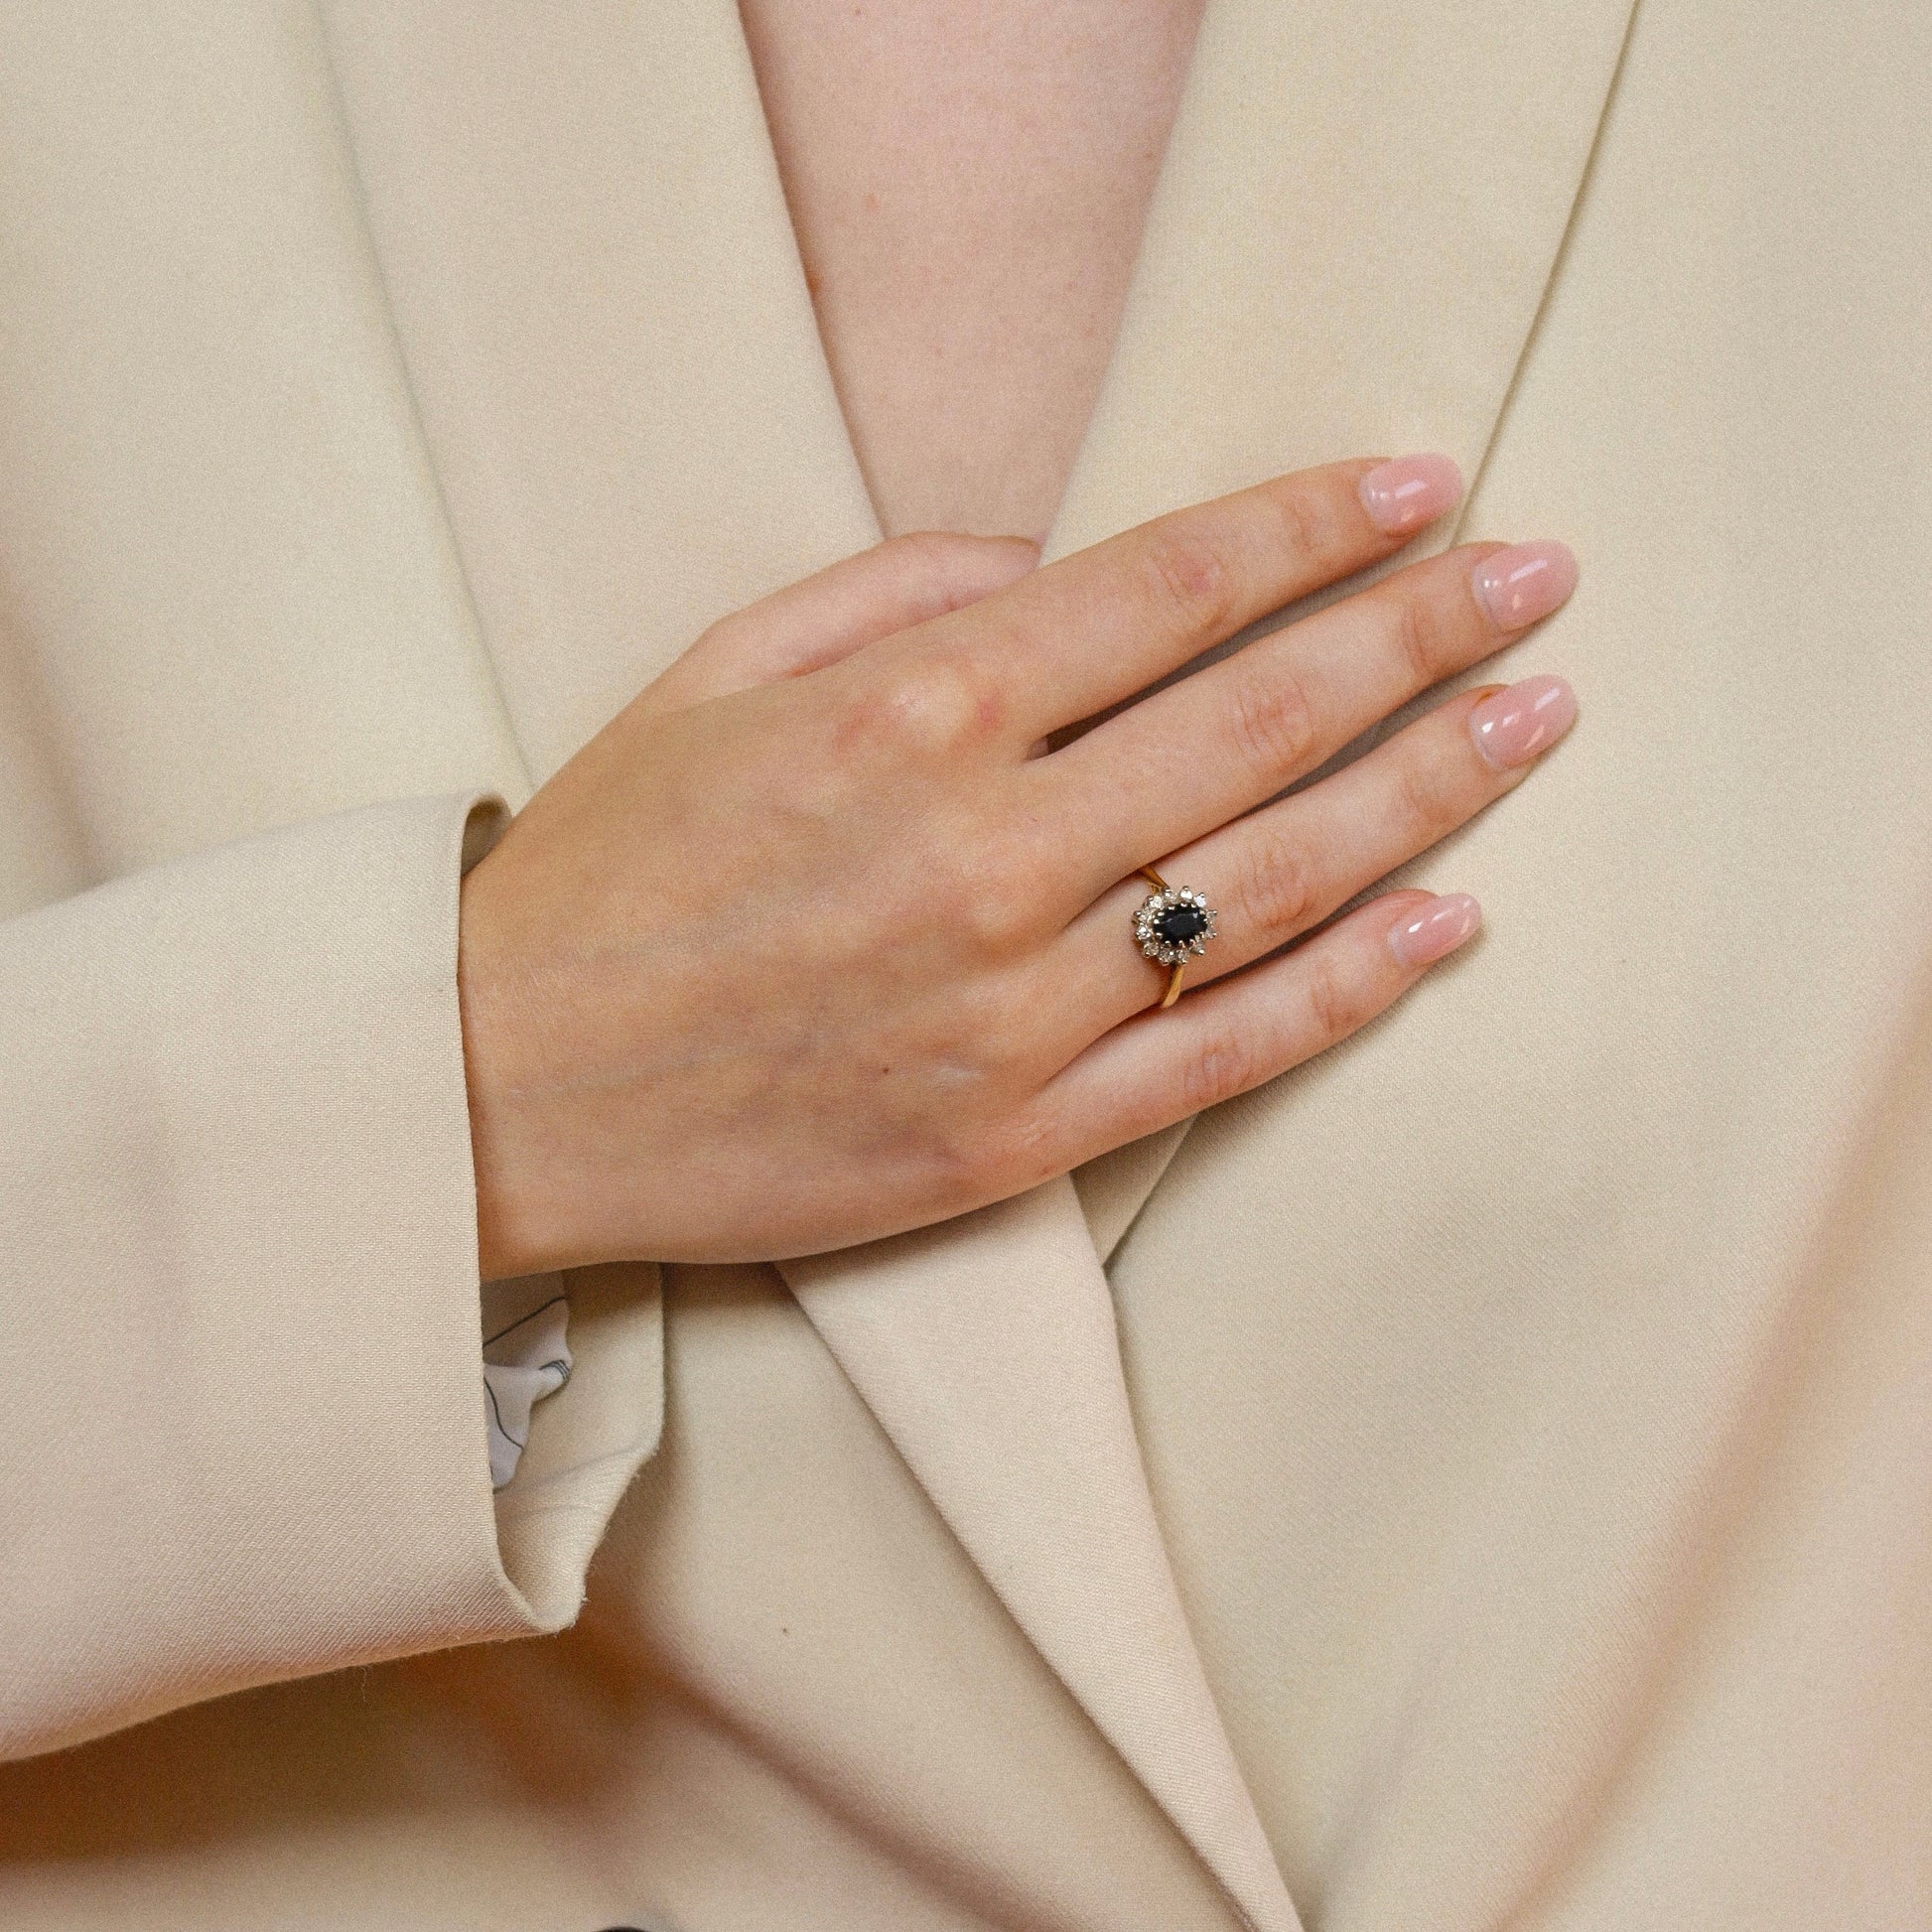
1521,720
1439,929
1525,582
1408,491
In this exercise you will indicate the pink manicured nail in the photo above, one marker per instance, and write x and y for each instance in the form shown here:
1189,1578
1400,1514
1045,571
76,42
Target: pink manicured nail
1408,491
1440,927
1513,725
1525,582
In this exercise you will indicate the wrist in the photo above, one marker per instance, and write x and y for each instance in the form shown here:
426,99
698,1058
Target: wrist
513,1232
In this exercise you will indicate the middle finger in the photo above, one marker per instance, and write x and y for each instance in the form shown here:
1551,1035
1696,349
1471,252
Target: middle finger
1205,750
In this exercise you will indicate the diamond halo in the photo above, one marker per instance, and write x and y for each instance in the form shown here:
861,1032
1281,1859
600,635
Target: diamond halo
1173,925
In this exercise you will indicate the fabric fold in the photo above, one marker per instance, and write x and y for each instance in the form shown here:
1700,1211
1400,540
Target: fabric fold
987,1350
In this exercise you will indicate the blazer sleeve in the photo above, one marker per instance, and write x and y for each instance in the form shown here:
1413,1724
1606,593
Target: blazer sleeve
241,1423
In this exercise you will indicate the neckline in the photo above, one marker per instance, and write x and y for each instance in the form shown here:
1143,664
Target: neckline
1186,106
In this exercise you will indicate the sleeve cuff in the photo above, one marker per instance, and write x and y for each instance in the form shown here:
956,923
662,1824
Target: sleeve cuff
235,1163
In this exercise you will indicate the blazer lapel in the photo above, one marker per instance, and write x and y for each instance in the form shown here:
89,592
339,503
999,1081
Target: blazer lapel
611,340
986,1348
1359,215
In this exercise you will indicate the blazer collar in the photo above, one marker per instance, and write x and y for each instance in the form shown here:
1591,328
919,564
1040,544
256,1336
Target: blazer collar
1359,213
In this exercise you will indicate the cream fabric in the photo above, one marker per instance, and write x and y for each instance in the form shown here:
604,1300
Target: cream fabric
1490,1485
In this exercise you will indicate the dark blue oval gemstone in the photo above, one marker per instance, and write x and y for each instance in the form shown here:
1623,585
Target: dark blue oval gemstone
1180,923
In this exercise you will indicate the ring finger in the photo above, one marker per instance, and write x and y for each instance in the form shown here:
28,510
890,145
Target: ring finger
1282,871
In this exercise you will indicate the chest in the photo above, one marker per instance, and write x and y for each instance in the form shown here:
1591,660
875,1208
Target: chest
969,184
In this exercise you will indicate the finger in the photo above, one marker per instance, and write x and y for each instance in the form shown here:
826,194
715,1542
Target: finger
1224,1040
1216,745
1099,625
1278,874
906,581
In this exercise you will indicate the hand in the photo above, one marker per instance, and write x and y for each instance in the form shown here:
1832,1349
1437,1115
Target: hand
814,942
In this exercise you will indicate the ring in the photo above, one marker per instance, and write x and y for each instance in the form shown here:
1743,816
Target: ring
1171,927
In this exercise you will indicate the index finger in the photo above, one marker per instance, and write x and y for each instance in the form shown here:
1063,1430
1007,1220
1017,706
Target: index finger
1107,622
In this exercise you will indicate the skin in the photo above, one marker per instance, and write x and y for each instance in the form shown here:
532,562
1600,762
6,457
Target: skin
814,942
969,180
811,944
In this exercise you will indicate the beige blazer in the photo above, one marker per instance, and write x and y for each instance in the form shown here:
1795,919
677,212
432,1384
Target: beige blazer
1483,1481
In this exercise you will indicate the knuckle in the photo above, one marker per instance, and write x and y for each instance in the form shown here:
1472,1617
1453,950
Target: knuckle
1425,804
1271,720
933,709
1425,636
1338,1002
997,923
993,893
1279,888
1307,526
978,699
1218,1068
1188,578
